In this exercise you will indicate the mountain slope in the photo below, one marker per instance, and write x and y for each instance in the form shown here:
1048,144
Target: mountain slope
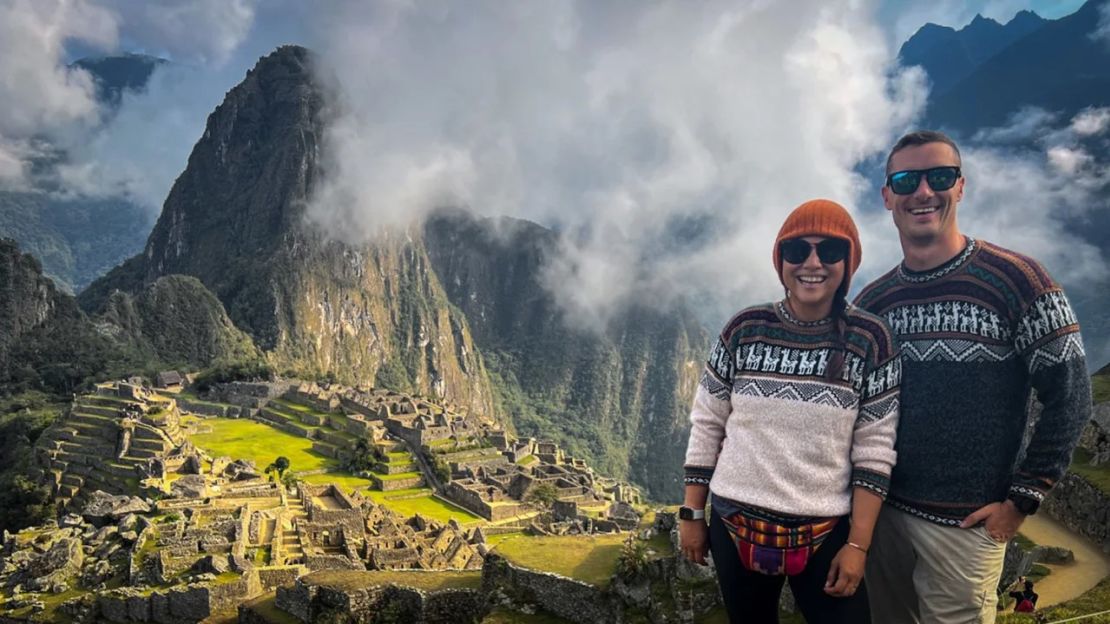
948,55
1060,67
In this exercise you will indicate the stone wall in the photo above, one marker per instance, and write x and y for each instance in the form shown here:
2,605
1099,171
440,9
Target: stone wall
389,485
311,603
1095,438
1082,507
279,576
203,409
574,600
191,603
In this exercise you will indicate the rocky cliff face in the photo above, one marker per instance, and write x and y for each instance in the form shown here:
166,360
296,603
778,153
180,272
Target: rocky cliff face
27,298
620,398
235,221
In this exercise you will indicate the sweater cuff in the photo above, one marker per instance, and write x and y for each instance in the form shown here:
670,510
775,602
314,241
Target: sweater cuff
1024,491
876,482
698,475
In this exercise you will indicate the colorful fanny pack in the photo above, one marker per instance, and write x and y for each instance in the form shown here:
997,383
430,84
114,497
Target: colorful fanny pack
773,548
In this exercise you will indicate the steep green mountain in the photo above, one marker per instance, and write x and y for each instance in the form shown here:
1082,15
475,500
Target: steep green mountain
454,308
235,221
75,240
47,343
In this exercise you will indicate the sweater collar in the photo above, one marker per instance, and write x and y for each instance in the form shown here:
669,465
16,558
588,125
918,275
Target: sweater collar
916,277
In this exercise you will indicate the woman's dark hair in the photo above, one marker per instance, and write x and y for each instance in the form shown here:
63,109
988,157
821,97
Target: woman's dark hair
838,353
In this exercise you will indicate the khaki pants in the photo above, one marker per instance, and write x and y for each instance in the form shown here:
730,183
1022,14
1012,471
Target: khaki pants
924,573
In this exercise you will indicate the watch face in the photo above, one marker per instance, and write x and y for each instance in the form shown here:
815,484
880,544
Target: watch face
685,513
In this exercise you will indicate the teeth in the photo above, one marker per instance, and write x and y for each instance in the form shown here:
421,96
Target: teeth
921,211
811,279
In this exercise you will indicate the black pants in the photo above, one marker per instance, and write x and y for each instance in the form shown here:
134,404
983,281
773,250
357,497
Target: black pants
753,598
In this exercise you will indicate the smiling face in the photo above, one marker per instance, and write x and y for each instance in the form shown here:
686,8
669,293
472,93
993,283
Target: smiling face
812,284
925,216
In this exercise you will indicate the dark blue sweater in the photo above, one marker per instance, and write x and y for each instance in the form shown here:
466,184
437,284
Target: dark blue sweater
978,333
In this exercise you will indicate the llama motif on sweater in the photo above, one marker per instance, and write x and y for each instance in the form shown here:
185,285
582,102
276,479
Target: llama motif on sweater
978,334
769,430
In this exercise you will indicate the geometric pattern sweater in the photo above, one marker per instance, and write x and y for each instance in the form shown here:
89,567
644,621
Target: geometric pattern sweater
769,430
978,334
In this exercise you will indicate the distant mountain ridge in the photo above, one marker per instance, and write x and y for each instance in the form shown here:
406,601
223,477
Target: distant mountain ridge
986,72
948,55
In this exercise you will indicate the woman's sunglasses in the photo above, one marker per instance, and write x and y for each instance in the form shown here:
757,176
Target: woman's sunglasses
938,178
829,251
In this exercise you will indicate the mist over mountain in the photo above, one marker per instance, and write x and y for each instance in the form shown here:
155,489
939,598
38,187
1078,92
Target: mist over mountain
456,308
75,238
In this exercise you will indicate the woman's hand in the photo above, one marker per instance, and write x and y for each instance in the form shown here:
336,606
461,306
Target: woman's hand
845,572
693,539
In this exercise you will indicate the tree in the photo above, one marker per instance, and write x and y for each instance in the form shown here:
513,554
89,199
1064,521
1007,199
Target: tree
544,494
279,465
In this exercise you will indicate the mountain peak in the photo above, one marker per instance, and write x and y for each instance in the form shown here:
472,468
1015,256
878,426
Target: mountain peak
949,55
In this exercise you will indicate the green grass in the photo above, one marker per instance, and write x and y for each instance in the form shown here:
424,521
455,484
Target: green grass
1098,475
1100,388
240,438
398,476
428,581
348,483
592,559
1025,543
427,506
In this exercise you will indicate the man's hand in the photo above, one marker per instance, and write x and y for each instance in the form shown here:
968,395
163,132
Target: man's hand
1002,520
845,572
693,539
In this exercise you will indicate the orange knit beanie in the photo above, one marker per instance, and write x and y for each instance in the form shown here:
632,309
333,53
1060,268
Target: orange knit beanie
822,217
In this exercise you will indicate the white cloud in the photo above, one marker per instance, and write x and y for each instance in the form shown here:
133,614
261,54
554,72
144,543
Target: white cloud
194,31
1102,30
38,94
1092,121
616,123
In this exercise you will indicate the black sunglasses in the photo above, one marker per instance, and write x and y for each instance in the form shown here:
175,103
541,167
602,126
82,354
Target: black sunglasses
938,178
829,251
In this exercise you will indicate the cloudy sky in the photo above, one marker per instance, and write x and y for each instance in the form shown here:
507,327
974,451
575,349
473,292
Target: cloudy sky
620,123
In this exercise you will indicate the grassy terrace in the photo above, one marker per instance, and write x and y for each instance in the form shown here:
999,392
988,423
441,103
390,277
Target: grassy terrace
1098,475
420,501
427,581
1100,388
592,559
246,439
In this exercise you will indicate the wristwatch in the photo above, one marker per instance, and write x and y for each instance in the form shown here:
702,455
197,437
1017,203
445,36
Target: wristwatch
688,513
1026,505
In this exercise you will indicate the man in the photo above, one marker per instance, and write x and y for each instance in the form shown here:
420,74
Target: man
980,326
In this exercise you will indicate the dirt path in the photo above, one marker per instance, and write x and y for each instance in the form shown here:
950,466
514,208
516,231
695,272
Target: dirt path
1071,580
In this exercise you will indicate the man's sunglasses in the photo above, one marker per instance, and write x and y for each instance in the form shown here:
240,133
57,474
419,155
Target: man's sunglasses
829,251
938,178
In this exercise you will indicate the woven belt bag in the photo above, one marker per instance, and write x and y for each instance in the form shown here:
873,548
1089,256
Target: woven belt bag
774,549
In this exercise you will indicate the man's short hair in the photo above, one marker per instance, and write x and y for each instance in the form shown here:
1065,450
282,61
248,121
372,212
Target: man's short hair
921,137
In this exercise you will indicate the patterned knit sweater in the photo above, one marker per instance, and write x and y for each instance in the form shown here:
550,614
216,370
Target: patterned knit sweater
977,334
769,430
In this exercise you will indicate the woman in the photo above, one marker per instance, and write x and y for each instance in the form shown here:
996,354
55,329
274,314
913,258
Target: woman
793,429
